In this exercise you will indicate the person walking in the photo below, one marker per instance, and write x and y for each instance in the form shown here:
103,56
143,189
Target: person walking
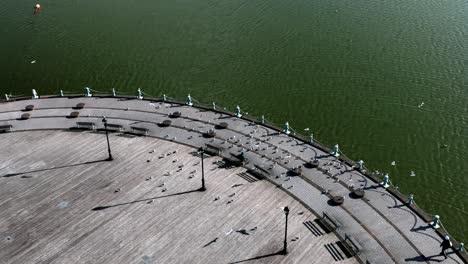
446,244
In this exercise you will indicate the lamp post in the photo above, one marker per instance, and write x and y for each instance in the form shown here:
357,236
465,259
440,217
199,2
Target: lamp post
104,120
202,152
285,246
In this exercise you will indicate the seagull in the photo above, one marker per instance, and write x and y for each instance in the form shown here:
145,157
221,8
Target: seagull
412,174
421,105
393,163
32,62
228,232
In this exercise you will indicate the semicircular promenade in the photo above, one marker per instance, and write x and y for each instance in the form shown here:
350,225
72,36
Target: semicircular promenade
381,226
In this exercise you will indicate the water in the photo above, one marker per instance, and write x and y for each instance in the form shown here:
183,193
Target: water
353,72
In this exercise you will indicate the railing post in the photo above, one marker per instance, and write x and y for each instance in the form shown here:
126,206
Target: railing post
435,221
385,182
139,94
34,94
286,128
189,100
336,151
238,112
88,92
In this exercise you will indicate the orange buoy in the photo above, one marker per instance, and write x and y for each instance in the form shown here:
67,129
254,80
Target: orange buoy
37,7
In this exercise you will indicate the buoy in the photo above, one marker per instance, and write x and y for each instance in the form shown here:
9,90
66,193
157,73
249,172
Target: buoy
37,7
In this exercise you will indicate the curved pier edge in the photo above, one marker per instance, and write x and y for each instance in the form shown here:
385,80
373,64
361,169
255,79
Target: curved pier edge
374,178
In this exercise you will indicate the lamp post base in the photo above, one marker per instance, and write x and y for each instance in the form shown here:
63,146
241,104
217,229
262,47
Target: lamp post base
110,158
284,251
202,189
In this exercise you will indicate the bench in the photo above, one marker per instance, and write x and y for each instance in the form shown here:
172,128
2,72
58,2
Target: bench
222,125
211,133
6,128
115,127
350,246
140,130
165,123
86,125
233,161
258,172
79,106
29,108
213,150
264,171
74,114
329,222
25,116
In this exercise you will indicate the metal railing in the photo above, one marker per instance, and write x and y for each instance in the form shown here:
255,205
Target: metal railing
374,176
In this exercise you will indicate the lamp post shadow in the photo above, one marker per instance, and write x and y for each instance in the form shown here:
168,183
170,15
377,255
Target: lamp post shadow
99,208
53,168
259,257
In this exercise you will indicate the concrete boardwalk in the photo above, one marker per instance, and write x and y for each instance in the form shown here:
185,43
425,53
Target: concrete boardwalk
386,230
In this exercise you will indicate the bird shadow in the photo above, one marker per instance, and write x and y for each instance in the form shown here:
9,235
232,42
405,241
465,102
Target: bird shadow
99,208
243,232
211,242
54,168
259,257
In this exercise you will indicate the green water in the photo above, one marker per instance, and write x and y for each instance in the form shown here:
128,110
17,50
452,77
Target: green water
354,72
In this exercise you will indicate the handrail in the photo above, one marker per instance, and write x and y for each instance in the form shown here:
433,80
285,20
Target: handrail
442,232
